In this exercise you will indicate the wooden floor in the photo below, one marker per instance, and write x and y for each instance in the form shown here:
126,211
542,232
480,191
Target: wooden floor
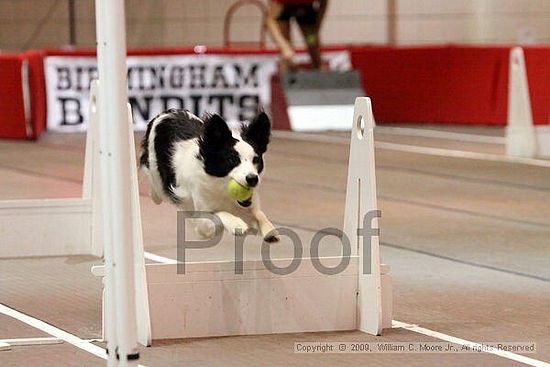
468,240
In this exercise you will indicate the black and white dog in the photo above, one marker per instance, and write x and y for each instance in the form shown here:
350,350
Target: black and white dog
188,161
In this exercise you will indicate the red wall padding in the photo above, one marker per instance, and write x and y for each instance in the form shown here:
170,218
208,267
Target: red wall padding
12,116
438,85
37,85
454,84
12,112
537,60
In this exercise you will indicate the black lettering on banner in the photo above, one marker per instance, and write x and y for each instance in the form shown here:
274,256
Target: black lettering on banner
130,78
168,102
63,78
218,78
248,106
196,101
83,77
78,78
177,77
141,80
197,76
70,111
143,110
157,77
242,79
221,98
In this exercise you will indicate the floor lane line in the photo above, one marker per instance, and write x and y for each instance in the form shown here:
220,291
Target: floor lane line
158,258
439,152
442,135
55,332
501,353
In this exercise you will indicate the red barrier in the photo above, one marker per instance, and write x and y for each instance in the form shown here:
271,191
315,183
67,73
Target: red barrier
435,84
37,86
12,116
454,84
443,84
537,61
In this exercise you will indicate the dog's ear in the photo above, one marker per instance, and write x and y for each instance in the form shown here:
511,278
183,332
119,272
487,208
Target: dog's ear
257,133
216,131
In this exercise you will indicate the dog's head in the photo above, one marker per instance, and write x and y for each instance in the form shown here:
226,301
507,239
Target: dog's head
236,156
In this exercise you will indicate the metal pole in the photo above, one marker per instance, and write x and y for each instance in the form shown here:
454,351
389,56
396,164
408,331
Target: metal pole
109,330
392,22
116,176
72,24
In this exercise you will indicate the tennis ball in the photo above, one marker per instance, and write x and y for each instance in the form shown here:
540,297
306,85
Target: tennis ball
237,191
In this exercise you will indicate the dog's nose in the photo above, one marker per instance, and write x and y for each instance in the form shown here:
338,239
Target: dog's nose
252,180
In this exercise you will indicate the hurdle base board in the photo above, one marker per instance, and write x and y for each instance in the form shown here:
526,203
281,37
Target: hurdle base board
39,227
210,300
309,118
543,141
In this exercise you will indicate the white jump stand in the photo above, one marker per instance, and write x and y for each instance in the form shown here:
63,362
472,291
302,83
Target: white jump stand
523,138
211,300
56,227
520,132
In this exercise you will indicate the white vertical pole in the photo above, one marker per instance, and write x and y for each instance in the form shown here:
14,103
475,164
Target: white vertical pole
391,19
520,132
361,200
116,182
109,332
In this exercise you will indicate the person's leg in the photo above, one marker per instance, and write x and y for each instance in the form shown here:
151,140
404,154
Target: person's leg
308,20
286,62
284,25
278,24
311,37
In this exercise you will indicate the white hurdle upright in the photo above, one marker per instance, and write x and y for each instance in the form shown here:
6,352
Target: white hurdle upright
360,201
211,300
523,138
520,132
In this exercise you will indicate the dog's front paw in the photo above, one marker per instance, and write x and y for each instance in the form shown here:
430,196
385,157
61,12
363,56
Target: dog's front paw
205,229
237,227
272,236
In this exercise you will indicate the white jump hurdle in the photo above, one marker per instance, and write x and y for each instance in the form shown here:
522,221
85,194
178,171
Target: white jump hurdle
56,227
210,300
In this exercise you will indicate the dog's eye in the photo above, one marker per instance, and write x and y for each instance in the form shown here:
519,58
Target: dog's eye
256,160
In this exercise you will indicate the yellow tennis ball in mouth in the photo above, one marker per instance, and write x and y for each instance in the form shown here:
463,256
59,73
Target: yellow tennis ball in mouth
237,191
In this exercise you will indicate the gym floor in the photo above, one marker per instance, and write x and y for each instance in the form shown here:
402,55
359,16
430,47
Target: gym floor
466,234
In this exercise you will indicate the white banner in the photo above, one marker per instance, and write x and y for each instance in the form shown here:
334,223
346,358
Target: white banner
234,86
